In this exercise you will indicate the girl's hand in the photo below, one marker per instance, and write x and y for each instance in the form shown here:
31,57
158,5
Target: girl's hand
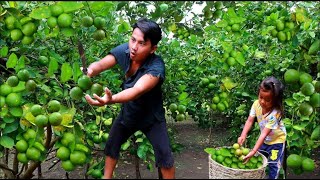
100,101
248,156
241,140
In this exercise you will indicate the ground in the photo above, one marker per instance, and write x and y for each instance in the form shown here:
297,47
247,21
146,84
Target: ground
190,163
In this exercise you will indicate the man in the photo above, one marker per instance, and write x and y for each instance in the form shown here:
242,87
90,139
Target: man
141,96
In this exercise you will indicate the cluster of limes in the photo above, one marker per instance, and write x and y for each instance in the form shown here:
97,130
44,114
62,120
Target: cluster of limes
209,13
232,157
21,28
71,153
85,83
233,26
220,101
300,164
182,33
50,115
308,87
59,18
178,111
93,132
99,23
240,110
230,56
30,147
283,29
10,92
207,83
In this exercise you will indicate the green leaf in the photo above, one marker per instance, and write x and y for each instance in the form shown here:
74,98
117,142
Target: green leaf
182,87
9,119
225,152
76,71
289,102
139,140
222,24
6,141
20,87
29,117
228,83
68,32
298,127
16,111
183,96
141,152
66,72
125,145
259,54
53,66
138,133
12,61
240,58
11,127
70,6
231,13
56,56
123,27
4,51
4,111
120,5
210,151
40,13
102,8
21,63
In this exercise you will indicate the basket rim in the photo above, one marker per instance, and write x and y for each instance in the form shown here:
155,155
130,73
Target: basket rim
264,165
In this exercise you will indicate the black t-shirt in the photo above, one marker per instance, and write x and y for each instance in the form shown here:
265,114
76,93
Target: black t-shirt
148,108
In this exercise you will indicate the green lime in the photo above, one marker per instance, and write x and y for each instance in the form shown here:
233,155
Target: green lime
53,106
52,22
56,10
87,21
64,20
16,34
13,81
76,93
63,153
13,99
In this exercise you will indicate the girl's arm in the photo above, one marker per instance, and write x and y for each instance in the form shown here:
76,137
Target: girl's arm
246,129
258,144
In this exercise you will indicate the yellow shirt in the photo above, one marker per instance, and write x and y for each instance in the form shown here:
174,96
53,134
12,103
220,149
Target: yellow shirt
272,121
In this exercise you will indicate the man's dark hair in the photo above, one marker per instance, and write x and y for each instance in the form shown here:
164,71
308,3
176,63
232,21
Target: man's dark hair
150,29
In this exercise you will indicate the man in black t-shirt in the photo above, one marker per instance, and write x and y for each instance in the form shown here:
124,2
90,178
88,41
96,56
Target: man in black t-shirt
141,96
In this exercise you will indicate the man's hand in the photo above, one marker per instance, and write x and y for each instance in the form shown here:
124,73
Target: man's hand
89,71
100,101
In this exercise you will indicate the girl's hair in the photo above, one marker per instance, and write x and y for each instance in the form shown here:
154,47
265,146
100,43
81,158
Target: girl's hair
150,29
276,87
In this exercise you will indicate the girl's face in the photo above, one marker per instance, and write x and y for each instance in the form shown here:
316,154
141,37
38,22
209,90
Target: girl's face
265,99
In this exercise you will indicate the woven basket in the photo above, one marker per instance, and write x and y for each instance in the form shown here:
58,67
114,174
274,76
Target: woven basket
218,171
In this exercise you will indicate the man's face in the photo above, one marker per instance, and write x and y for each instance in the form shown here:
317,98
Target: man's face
139,48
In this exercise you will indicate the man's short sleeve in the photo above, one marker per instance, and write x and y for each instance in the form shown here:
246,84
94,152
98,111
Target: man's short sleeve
157,69
121,55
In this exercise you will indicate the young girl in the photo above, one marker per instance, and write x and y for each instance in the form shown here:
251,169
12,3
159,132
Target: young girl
268,109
